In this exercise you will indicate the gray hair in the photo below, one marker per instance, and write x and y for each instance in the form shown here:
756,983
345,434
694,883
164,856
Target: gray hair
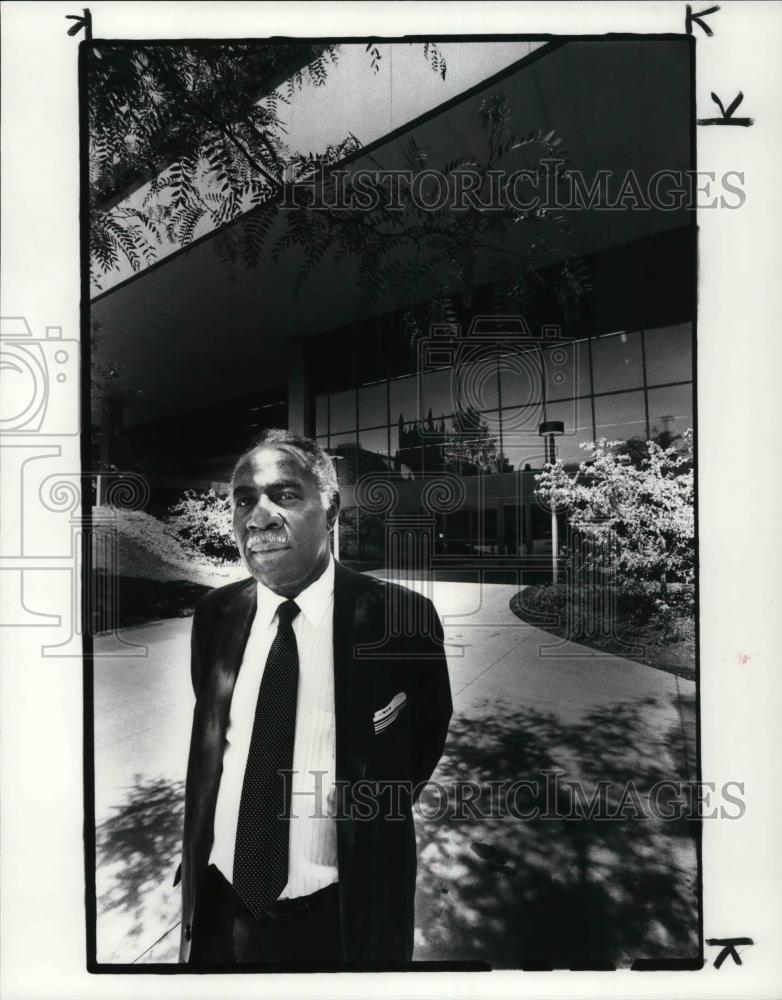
315,458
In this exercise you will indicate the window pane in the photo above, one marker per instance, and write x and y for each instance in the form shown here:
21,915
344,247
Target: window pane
344,446
368,347
404,399
475,384
669,354
434,453
670,411
406,450
567,370
438,392
458,523
268,415
576,415
616,362
620,417
372,536
348,533
489,521
342,415
521,381
520,427
468,454
372,401
540,541
373,451
520,453
321,415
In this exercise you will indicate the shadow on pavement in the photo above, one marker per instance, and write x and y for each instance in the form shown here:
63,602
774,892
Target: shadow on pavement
137,851
514,892
504,890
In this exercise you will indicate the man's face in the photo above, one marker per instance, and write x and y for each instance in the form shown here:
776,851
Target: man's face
280,525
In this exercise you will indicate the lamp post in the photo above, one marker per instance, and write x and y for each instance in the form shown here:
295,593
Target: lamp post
550,430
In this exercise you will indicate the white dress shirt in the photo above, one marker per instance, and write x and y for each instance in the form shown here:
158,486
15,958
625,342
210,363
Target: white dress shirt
312,859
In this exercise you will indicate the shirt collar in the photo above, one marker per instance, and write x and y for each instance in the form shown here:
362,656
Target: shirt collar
313,601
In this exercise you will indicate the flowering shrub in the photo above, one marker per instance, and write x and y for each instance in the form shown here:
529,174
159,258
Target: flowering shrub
203,521
642,513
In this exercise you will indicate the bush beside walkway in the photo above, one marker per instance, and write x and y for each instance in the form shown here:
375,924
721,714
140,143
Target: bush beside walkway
639,627
153,573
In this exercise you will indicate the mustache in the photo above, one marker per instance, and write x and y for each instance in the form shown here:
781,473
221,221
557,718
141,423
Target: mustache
270,538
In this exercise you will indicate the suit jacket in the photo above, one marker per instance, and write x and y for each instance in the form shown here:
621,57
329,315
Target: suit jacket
387,641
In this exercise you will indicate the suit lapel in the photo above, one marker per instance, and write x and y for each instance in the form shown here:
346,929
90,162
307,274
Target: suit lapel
231,628
348,688
345,596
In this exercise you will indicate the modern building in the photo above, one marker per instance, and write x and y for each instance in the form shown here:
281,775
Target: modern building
213,352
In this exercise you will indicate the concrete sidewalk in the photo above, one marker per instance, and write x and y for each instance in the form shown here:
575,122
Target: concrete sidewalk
501,889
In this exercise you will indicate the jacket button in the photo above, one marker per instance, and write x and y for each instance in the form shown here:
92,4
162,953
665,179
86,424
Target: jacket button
187,932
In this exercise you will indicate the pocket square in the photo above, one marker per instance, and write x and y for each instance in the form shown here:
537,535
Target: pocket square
383,717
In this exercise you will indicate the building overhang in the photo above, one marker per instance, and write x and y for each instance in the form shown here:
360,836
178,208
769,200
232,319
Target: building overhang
194,328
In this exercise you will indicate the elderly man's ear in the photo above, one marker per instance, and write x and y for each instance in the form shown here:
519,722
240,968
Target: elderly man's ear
331,513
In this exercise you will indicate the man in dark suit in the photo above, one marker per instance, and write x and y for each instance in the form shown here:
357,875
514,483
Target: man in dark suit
322,707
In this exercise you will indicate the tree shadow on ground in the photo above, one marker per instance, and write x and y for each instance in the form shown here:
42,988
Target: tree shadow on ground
137,851
501,889
514,892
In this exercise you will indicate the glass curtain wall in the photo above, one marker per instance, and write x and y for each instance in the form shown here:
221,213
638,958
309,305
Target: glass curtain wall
483,417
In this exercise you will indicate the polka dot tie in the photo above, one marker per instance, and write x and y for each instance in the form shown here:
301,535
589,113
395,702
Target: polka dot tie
261,854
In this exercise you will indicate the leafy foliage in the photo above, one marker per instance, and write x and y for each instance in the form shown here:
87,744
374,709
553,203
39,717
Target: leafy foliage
203,521
108,379
202,124
645,512
348,533
470,449
664,435
637,625
417,239
202,127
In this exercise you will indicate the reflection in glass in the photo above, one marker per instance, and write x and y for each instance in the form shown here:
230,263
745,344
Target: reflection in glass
620,417
342,411
404,399
321,415
488,523
668,354
521,382
476,384
433,454
576,415
372,401
537,537
348,533
345,448
616,362
372,536
438,392
373,450
567,370
519,455
435,440
520,425
670,412
406,449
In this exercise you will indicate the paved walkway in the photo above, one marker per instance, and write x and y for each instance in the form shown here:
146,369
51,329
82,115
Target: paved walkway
491,887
